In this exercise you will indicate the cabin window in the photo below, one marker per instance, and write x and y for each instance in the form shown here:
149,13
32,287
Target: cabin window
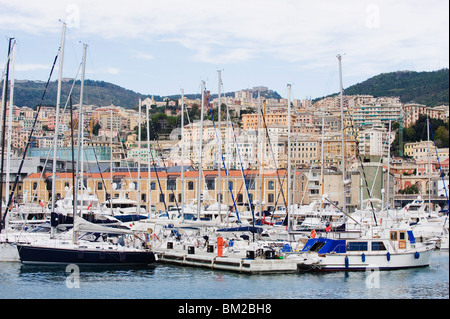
378,246
393,235
402,235
357,246
317,246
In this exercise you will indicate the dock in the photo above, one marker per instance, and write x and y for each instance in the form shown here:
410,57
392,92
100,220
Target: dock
249,263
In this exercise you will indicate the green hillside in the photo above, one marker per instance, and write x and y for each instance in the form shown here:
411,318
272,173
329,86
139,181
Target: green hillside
100,93
428,88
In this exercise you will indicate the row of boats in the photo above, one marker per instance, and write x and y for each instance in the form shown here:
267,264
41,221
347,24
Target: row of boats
315,238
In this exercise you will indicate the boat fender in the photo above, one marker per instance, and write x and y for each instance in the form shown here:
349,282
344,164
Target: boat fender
388,256
363,258
416,255
346,262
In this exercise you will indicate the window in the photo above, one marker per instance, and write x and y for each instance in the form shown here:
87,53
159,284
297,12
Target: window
152,186
402,235
357,246
271,185
99,186
34,185
172,184
162,198
230,185
378,246
171,198
393,235
270,198
190,186
210,184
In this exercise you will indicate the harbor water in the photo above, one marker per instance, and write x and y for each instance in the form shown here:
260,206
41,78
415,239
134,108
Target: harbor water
164,281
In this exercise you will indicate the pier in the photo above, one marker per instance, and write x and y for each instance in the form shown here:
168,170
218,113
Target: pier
250,262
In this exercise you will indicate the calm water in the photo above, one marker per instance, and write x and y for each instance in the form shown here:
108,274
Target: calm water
164,281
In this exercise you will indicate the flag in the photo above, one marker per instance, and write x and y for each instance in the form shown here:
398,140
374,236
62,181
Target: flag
90,204
42,204
328,228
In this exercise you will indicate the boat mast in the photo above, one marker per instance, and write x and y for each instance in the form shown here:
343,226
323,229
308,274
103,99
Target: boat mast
138,208
429,166
219,180
79,137
4,105
111,161
343,134
200,168
182,153
55,137
149,181
11,106
289,179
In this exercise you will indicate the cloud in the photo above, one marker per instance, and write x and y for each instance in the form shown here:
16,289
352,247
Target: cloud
378,33
143,55
30,67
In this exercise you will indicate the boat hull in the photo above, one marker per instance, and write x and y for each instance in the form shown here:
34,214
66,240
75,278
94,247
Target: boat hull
347,262
50,255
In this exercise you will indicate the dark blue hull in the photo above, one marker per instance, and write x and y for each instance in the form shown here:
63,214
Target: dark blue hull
50,255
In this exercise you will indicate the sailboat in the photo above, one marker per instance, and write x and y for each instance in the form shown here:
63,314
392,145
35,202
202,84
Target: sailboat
126,248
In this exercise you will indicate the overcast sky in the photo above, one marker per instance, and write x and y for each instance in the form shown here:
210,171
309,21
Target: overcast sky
160,47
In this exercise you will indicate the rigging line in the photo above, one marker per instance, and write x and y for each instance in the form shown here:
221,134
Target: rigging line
2,222
167,174
273,156
439,162
362,166
243,175
223,160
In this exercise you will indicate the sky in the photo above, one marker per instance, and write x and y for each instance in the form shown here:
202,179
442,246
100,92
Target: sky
160,47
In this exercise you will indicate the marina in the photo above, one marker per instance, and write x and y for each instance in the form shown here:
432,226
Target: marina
252,221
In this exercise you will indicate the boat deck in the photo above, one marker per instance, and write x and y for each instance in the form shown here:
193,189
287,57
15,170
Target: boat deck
232,261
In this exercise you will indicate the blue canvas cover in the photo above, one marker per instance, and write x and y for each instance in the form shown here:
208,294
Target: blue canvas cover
325,245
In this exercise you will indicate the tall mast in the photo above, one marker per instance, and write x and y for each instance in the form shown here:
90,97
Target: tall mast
111,161
289,158
11,106
219,180
149,181
429,166
182,153
260,152
80,136
55,137
4,105
138,208
343,135
200,151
